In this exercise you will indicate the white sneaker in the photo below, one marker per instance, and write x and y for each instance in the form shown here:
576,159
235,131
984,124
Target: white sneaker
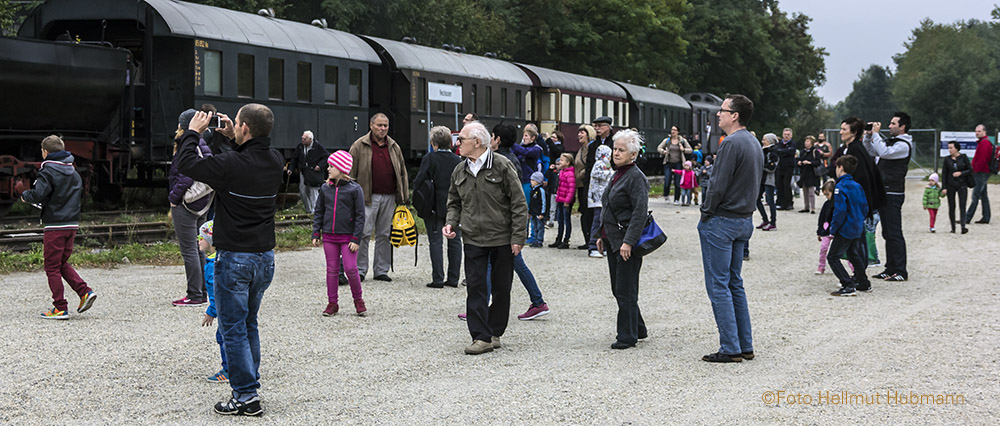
596,254
819,272
677,203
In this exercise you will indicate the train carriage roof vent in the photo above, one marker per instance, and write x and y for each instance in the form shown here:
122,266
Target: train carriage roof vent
410,40
269,12
447,47
319,23
459,49
652,85
490,55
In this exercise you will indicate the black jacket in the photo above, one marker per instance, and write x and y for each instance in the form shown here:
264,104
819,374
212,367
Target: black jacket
627,200
305,163
246,182
58,189
536,202
825,217
438,167
960,164
866,174
347,200
786,154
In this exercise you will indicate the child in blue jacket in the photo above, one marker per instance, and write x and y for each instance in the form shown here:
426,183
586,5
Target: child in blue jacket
205,245
847,227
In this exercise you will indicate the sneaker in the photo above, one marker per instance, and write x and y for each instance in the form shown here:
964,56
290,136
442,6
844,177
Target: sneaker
882,276
536,245
580,247
530,242
236,408
677,203
895,277
932,230
721,357
747,356
867,289
769,227
534,312
87,301
495,341
595,254
820,272
342,279
331,309
221,377
463,317
185,302
479,347
762,225
55,314
555,244
359,304
550,225
383,277
844,291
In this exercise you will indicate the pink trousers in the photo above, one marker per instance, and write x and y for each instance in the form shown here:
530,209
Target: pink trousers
334,253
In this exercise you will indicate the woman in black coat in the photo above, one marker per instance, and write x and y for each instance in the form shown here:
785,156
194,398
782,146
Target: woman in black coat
955,175
808,159
435,169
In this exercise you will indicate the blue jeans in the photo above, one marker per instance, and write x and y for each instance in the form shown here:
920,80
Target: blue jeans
722,242
685,196
563,216
240,282
222,349
595,230
537,230
524,274
979,193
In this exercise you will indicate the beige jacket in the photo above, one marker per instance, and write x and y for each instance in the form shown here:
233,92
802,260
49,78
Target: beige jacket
579,165
664,150
361,150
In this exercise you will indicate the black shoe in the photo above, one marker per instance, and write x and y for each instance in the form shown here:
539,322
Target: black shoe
804,211
555,244
434,285
866,289
236,408
342,280
895,277
883,275
982,221
622,345
747,355
451,284
383,277
965,230
721,357
643,335
362,277
563,246
536,245
581,246
845,291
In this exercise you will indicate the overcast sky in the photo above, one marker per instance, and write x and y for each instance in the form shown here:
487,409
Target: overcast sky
858,33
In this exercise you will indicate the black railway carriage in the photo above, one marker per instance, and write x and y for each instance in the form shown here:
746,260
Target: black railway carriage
704,107
188,54
653,113
563,101
493,89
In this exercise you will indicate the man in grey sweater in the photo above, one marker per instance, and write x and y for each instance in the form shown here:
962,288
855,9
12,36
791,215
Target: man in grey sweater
726,227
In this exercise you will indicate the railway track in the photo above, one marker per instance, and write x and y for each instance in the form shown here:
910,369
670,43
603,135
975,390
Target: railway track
118,233
13,221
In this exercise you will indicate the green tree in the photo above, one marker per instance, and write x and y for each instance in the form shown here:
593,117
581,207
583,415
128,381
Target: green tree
12,13
871,96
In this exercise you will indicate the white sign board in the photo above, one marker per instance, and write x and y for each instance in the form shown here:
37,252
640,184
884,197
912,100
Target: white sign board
444,93
966,140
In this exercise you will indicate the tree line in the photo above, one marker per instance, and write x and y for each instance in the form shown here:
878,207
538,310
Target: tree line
948,78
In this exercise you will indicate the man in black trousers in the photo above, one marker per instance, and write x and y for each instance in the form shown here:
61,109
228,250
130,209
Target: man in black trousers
786,167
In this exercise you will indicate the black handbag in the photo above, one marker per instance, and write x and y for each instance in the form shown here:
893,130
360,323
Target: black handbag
423,199
970,181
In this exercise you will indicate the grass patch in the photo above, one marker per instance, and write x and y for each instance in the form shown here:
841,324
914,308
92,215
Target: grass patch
163,253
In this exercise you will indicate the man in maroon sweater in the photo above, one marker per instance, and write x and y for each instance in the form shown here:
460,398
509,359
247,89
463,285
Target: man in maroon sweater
981,173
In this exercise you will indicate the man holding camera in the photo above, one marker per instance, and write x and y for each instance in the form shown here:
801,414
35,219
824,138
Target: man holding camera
893,163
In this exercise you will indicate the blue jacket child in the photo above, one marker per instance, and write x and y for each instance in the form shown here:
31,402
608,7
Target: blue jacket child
850,207
205,244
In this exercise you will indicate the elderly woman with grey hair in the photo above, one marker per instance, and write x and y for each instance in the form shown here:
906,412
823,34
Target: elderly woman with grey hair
623,218
768,144
436,168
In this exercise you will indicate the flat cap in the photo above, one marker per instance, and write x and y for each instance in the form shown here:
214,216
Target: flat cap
603,119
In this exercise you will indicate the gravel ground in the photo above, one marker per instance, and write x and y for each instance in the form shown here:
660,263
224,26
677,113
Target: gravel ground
135,359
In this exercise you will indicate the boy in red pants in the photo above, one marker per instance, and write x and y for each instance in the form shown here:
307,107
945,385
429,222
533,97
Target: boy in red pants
57,191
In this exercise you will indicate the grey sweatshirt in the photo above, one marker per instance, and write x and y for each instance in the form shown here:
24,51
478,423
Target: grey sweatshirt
735,182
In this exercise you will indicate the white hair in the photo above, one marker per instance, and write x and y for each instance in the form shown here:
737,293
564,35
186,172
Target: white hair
441,137
633,140
478,131
308,134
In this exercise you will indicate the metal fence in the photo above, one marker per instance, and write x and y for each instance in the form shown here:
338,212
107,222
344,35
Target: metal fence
926,149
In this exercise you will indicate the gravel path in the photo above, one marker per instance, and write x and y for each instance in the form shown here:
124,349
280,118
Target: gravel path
135,359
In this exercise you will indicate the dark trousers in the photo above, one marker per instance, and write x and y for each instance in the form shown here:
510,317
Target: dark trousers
485,319
768,192
851,246
892,232
435,243
963,193
625,287
979,193
671,178
57,247
564,221
783,182
586,213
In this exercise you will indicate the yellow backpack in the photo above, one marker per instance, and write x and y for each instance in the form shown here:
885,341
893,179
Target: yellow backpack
404,230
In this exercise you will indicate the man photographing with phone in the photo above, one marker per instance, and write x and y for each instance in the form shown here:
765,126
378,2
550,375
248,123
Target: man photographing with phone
893,163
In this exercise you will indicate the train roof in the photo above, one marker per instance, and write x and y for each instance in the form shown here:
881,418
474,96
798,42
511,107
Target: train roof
655,96
423,58
201,21
704,100
580,83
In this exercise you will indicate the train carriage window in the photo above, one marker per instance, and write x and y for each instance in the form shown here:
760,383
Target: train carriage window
461,106
503,101
303,81
475,105
578,107
489,100
664,115
564,105
213,72
598,107
571,106
244,76
586,110
421,94
354,87
518,104
330,77
275,79
628,122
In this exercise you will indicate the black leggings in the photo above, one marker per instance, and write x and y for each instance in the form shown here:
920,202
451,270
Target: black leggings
963,193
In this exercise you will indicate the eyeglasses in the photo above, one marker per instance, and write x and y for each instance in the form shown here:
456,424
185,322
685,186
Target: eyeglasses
461,139
728,110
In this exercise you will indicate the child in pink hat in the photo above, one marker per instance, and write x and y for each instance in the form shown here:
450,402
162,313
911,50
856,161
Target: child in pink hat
932,197
339,222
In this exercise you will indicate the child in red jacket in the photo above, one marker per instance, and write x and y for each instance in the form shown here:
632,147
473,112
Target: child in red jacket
564,198
688,182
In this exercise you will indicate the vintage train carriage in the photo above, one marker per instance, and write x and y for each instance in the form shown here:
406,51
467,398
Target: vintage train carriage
653,113
563,101
704,121
188,54
493,89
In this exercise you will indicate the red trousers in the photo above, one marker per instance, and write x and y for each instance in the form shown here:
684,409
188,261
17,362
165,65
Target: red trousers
933,213
57,247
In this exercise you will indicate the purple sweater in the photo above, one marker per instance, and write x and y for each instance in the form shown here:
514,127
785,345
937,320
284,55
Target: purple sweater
178,184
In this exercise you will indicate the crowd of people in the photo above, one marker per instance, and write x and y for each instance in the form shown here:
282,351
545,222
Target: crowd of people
491,194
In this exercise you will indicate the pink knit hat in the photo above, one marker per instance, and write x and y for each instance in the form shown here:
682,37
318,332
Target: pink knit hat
933,177
342,160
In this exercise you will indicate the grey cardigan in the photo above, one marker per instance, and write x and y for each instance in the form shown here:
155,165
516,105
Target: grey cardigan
626,208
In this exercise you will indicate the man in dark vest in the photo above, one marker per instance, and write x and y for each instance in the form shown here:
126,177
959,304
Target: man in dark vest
893,163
